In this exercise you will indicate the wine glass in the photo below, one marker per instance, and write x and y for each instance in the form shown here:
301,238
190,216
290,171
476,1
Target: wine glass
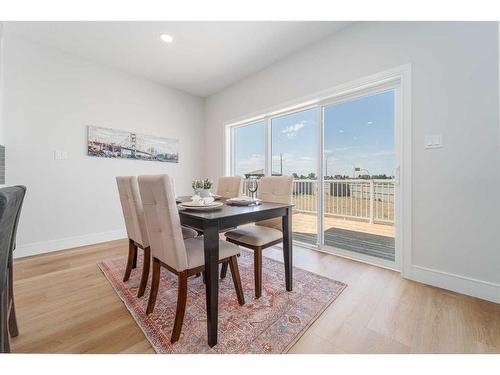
252,186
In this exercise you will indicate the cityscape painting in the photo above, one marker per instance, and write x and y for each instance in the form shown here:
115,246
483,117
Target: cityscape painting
120,144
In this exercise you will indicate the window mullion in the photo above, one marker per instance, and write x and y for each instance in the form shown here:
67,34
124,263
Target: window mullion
268,148
233,153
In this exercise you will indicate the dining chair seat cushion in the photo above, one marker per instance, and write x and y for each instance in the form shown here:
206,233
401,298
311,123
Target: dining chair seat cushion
256,235
188,233
196,255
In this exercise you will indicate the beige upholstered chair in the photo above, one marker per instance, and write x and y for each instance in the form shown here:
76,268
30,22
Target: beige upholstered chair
265,233
136,228
183,257
229,187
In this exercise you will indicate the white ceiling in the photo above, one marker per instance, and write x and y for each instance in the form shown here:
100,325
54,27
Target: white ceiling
204,58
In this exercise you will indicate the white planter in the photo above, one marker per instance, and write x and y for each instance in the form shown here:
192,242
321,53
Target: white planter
204,193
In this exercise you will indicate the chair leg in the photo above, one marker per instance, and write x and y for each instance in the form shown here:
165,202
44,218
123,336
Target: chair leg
223,271
4,329
145,271
155,282
235,272
257,266
134,261
132,253
11,307
181,306
204,277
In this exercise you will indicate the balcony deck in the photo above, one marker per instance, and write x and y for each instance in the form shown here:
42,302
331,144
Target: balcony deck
376,240
349,206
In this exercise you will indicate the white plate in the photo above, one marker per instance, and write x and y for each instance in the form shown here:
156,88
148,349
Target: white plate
199,207
243,202
198,204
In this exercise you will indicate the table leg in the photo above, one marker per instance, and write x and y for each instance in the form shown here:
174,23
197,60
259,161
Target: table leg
287,247
211,245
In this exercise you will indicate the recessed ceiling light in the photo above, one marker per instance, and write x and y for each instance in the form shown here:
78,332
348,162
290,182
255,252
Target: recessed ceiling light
166,38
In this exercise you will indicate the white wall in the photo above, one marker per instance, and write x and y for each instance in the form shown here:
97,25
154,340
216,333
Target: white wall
456,200
49,99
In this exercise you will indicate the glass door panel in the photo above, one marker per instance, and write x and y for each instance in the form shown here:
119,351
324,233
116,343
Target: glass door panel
359,166
294,150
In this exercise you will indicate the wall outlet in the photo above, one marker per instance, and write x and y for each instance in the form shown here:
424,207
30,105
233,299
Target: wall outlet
60,155
433,141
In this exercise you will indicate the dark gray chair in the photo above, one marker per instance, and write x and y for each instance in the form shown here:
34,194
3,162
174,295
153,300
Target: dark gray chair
11,199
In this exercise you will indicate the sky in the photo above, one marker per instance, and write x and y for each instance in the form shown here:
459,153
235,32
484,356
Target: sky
358,133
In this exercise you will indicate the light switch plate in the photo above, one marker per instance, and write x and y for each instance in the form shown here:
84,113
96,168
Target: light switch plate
60,155
433,141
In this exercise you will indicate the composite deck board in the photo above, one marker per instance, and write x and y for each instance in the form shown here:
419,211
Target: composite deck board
363,243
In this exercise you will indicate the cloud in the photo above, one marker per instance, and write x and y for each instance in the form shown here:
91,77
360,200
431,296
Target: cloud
253,163
300,164
291,130
306,158
383,153
353,156
377,154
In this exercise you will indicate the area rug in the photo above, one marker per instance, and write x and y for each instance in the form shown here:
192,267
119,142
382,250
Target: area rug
271,324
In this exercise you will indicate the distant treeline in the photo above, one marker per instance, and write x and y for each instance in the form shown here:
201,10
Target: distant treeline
312,176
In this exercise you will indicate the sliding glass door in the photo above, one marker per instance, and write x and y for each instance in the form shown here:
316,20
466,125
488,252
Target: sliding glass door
341,154
359,166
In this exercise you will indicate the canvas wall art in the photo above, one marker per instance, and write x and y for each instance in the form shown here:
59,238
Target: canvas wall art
120,144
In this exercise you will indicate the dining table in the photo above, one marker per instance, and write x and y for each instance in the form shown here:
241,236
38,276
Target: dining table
212,222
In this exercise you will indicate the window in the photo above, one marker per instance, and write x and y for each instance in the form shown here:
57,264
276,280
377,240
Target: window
249,150
294,144
294,149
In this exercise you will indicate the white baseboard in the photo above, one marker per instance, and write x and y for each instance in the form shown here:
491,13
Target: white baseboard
67,243
461,284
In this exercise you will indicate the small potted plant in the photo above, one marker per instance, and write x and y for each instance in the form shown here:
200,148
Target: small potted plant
202,187
197,186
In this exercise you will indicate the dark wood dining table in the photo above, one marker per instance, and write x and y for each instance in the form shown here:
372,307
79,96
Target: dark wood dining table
227,217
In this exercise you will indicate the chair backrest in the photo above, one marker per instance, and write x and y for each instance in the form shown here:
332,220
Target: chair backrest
229,187
163,221
276,189
11,199
133,212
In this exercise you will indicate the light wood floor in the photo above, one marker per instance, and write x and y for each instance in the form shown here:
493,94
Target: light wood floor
65,305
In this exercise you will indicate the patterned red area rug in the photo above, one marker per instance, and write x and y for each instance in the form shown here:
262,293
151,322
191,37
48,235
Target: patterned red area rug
271,324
